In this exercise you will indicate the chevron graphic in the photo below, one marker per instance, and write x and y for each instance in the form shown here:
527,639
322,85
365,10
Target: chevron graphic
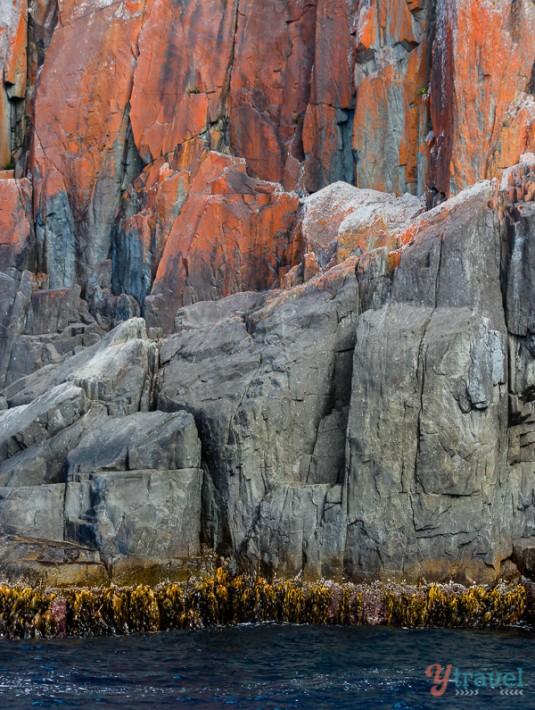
511,691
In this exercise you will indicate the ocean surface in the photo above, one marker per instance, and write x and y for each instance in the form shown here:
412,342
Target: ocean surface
274,666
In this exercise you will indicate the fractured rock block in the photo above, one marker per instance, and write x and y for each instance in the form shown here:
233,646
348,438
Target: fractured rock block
144,514
152,440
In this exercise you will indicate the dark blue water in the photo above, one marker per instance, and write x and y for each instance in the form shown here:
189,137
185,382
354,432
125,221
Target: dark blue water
265,666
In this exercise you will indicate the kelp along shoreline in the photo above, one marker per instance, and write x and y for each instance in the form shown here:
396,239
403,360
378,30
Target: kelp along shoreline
226,599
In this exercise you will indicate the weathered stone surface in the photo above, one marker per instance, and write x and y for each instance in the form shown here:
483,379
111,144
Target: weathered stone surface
33,511
329,115
263,412
181,83
144,514
148,211
16,240
13,60
341,220
269,86
151,440
149,160
46,415
45,462
474,104
391,80
298,530
49,563
82,148
426,446
114,371
233,234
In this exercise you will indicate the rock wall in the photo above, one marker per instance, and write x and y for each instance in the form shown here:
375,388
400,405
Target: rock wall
259,290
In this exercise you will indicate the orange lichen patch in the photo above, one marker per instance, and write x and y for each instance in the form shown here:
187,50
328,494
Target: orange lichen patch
320,143
491,54
517,136
394,259
81,124
366,237
395,20
16,61
180,82
408,235
518,182
366,27
274,54
392,39
15,229
310,267
13,60
234,234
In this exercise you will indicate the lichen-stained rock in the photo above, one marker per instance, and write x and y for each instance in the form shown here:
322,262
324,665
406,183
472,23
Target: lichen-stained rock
391,80
16,238
13,69
272,411
428,492
148,211
234,233
270,86
182,74
328,122
82,151
341,219
476,102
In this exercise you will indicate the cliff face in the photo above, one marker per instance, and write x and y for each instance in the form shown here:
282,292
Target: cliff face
195,349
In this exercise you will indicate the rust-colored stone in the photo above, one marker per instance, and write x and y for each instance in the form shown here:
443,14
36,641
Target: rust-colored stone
81,130
15,224
482,58
13,61
233,234
182,74
270,86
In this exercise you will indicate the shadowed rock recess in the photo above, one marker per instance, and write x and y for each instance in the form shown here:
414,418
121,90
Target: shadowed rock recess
267,288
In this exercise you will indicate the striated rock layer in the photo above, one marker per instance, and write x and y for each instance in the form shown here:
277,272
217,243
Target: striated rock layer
259,290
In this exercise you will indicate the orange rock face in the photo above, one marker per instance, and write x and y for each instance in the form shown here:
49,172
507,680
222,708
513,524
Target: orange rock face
15,224
117,109
328,120
148,212
182,75
233,234
391,78
13,60
270,86
80,134
481,109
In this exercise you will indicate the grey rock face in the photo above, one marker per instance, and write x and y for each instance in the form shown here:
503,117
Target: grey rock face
144,514
152,440
377,422
427,484
33,511
270,392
